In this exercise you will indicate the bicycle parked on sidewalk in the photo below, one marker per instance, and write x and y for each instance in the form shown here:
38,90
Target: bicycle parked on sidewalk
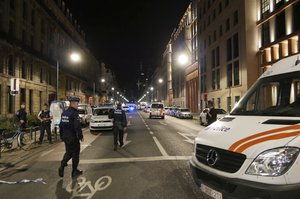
23,139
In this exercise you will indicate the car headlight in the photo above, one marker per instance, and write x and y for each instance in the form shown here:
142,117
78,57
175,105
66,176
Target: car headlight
274,162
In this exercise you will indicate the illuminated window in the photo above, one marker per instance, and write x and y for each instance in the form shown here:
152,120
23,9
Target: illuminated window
265,6
296,16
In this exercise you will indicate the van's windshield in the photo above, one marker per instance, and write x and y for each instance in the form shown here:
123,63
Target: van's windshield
101,112
272,96
157,106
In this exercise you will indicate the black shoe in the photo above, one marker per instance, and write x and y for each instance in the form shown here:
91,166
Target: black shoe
121,144
76,173
115,147
40,143
61,171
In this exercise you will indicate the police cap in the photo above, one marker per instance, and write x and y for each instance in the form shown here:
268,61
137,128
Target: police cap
73,99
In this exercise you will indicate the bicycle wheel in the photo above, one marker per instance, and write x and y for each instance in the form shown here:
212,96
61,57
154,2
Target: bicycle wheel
25,141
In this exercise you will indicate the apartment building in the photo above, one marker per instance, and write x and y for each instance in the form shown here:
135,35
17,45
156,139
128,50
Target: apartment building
227,41
36,39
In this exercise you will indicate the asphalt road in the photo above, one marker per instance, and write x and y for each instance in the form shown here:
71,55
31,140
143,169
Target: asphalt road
152,164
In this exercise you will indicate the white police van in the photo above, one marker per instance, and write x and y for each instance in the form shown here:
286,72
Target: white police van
254,151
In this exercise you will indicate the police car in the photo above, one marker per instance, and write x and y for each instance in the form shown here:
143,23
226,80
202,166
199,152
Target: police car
254,151
100,120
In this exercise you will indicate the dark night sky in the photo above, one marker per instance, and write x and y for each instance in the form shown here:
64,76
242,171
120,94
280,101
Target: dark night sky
124,34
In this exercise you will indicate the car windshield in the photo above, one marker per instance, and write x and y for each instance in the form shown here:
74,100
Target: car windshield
81,111
272,96
101,112
157,106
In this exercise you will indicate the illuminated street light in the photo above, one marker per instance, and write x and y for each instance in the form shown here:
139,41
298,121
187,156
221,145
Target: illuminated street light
183,59
152,88
112,88
160,80
75,57
102,80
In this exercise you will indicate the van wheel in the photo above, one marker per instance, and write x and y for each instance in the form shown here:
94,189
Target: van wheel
163,117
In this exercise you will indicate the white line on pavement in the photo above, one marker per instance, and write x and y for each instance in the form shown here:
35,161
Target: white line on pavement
160,147
163,123
151,132
189,140
135,159
45,153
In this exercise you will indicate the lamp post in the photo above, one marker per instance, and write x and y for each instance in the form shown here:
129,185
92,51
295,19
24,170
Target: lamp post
74,57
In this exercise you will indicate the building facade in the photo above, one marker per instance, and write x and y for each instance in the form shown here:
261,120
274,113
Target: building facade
36,40
227,40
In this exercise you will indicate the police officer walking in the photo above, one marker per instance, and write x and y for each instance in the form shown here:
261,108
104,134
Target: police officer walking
22,117
45,117
71,134
120,122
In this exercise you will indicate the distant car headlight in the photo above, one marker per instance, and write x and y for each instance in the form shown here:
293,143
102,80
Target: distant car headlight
274,162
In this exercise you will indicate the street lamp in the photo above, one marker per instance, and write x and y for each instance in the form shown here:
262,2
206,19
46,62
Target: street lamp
102,80
183,59
74,57
160,80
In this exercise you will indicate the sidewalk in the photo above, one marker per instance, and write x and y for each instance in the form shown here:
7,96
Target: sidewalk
11,157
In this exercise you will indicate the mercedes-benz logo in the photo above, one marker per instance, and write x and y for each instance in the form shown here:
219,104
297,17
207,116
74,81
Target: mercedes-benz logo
212,157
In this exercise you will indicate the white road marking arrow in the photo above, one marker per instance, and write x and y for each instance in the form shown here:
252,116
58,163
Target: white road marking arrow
189,140
125,140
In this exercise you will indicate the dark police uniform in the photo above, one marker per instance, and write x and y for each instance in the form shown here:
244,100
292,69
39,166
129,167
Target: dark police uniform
71,133
22,115
45,125
120,122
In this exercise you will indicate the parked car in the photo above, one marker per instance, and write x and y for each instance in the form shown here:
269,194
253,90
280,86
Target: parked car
184,113
203,115
100,120
157,110
85,113
174,111
168,111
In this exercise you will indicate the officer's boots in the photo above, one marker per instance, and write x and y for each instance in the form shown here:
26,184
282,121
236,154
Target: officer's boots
76,172
61,171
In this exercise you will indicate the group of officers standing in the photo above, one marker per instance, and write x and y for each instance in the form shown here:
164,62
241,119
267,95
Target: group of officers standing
71,132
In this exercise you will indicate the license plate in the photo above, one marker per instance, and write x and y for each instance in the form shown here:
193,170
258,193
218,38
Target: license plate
212,193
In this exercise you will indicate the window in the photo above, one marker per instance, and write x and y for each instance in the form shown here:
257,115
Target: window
236,73
279,3
11,66
265,33
219,102
41,75
30,101
227,24
23,70
33,17
24,10
265,7
280,25
229,49
216,68
1,65
220,7
226,3
215,35
221,30
229,75
11,28
31,72
235,46
235,18
12,4
22,95
10,101
296,16
228,104
237,99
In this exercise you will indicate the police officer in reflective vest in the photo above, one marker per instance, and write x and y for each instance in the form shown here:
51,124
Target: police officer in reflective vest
71,134
45,117
120,122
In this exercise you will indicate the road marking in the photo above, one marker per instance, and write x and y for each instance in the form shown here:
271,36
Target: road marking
128,123
83,146
125,139
80,188
163,123
146,125
189,140
135,159
148,129
45,153
151,132
160,147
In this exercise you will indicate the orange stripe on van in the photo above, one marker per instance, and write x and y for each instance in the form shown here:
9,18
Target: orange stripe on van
238,143
264,139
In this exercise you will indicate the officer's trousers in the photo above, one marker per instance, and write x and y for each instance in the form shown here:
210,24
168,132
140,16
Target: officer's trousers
45,126
118,134
72,151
